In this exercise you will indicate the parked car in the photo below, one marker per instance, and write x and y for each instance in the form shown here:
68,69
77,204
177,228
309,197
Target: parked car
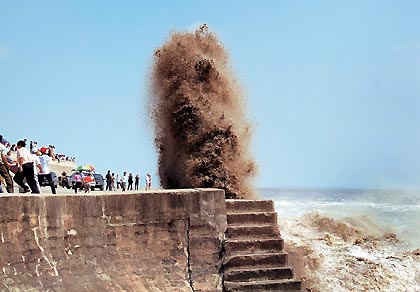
50,180
99,181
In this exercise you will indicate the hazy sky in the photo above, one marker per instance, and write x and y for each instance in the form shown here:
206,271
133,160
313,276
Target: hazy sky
332,87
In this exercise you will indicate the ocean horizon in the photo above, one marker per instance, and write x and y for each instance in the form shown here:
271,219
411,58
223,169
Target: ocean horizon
393,210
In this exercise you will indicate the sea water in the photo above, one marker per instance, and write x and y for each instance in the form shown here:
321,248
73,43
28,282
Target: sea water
396,211
351,240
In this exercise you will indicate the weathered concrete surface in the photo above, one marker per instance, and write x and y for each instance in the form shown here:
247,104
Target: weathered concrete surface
155,241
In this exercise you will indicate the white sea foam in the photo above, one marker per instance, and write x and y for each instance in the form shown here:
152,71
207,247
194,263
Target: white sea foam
334,256
351,240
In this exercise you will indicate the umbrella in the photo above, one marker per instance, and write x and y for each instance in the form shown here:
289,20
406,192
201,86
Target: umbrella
85,167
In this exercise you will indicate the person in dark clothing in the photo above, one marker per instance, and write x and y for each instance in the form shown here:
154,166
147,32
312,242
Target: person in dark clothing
130,182
136,182
113,182
108,178
26,169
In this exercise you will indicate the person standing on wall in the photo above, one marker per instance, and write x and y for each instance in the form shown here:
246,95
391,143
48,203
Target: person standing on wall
77,182
4,167
87,182
37,169
45,173
124,181
136,182
113,182
148,181
118,181
26,169
108,178
130,182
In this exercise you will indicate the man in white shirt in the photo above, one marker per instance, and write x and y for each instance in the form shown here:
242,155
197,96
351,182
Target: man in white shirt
35,147
26,169
124,180
45,160
37,169
148,181
44,175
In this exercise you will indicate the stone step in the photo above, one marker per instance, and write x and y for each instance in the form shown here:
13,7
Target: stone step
236,231
255,245
243,206
256,260
266,285
255,218
253,274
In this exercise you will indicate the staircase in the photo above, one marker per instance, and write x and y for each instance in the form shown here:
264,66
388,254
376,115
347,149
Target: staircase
254,256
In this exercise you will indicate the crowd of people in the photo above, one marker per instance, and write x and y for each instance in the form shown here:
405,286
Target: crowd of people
25,167
50,151
81,181
34,148
126,182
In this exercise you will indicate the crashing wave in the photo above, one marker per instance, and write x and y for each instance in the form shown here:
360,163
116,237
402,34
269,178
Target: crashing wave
352,254
202,135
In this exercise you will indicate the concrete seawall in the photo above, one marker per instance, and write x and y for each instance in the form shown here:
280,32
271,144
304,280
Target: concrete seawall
154,241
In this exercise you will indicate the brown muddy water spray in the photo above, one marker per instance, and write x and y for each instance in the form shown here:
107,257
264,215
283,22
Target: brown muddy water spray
197,107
